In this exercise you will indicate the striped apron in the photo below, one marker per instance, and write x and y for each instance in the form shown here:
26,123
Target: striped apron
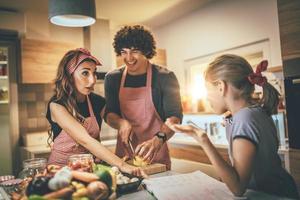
65,146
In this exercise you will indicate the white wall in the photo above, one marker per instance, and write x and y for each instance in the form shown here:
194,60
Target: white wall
218,26
101,43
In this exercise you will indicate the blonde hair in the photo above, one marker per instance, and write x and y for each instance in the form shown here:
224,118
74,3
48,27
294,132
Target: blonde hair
235,70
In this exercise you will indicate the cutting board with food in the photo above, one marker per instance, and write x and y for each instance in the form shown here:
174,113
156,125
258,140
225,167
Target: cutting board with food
149,169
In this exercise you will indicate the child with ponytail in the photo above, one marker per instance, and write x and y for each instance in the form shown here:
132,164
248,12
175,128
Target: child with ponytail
251,132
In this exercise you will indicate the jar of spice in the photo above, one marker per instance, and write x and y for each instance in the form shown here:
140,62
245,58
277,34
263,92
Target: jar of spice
3,94
13,185
1,70
81,162
4,69
3,57
6,178
33,167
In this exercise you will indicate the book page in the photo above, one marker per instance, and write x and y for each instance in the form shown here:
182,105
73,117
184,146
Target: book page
191,186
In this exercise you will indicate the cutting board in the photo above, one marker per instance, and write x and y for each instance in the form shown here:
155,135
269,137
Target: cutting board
153,168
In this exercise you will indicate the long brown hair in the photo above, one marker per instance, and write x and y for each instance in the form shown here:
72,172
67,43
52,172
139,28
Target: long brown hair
64,90
235,70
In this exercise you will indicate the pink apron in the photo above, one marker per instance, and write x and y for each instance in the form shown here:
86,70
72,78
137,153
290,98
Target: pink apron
64,145
137,107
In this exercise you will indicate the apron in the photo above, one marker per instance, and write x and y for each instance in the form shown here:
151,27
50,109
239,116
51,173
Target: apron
65,146
138,108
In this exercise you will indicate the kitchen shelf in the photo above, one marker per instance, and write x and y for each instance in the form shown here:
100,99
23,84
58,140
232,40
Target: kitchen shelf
3,62
4,101
3,77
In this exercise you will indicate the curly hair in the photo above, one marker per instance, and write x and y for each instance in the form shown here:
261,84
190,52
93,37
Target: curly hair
135,37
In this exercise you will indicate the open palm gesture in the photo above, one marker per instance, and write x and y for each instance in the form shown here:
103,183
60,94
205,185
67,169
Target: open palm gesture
197,133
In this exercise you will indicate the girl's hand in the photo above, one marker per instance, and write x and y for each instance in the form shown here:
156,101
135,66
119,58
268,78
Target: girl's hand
197,133
136,171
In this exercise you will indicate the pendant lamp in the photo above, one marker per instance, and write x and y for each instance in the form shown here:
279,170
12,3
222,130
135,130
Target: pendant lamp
72,13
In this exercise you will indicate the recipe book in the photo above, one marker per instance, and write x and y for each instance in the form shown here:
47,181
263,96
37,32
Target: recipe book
191,186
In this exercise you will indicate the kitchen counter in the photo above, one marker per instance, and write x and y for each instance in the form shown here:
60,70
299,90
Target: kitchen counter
191,141
144,194
186,147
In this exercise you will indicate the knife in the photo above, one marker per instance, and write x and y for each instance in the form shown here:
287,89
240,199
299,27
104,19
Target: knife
131,148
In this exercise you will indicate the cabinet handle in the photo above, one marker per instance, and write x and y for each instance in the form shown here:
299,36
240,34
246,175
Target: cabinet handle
296,81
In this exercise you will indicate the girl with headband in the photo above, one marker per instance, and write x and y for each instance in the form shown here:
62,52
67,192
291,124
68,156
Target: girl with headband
250,130
75,112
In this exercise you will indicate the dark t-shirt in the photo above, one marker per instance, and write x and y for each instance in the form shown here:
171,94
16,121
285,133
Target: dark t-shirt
97,101
165,91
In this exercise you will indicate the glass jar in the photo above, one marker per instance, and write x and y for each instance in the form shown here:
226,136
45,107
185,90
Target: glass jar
3,57
6,178
13,185
81,162
32,167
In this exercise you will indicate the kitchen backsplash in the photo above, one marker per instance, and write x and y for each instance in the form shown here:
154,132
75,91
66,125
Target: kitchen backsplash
33,99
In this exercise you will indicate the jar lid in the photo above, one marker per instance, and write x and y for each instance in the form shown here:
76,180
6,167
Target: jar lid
35,163
11,182
80,156
6,178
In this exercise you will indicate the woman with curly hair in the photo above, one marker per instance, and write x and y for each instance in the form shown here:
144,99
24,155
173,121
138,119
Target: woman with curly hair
74,112
140,97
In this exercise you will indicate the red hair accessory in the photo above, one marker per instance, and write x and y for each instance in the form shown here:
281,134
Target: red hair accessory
257,78
84,54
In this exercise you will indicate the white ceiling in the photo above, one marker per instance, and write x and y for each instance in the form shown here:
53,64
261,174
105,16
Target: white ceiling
149,12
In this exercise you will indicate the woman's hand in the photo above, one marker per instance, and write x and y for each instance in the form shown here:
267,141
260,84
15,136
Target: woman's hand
197,133
136,171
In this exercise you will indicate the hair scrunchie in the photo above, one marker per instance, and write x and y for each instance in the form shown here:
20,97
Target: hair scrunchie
256,77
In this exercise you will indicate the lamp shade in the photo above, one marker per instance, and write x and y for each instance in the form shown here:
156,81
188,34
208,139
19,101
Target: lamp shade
72,13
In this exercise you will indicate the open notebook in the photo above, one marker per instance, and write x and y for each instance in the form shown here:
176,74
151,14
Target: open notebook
191,186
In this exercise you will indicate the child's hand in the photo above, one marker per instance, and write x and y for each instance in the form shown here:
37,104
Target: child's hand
197,133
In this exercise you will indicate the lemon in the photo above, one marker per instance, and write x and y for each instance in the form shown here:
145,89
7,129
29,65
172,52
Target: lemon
138,161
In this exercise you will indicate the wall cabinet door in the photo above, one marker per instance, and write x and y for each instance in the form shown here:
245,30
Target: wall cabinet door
40,59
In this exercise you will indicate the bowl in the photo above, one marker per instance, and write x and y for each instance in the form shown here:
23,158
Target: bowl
129,187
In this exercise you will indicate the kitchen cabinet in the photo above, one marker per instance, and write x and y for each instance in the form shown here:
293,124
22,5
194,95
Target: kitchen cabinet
289,26
160,58
40,59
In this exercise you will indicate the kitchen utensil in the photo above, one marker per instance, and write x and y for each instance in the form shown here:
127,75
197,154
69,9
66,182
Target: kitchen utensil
131,148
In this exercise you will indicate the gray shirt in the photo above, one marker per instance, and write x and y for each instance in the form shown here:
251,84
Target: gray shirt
253,124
